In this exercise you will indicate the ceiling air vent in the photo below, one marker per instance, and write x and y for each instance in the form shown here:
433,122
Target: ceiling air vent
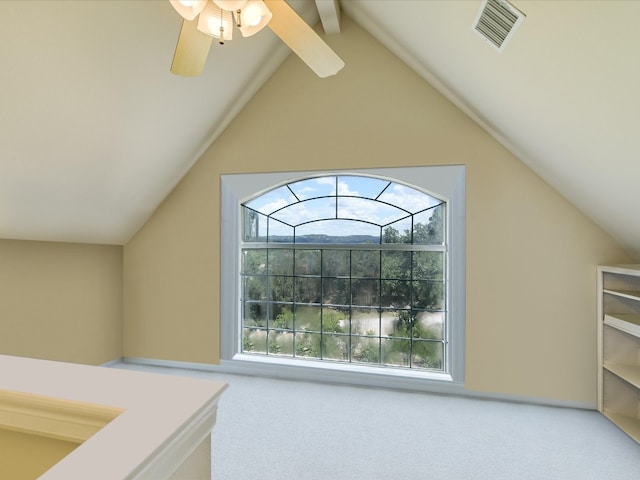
496,22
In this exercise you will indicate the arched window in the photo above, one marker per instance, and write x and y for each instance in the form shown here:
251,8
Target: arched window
345,274
345,268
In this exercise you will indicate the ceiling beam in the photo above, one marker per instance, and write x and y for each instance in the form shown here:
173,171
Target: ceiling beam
329,11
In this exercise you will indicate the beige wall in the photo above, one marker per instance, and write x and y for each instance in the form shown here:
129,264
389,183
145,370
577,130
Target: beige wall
531,256
25,456
61,301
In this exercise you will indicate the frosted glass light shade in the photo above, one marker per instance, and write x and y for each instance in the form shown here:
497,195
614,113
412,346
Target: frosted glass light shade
212,18
188,9
254,17
230,5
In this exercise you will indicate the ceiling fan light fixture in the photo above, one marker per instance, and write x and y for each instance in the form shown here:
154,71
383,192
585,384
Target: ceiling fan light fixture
188,9
230,5
216,22
253,17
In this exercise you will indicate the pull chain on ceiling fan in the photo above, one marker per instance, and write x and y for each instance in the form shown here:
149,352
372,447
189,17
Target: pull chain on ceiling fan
217,19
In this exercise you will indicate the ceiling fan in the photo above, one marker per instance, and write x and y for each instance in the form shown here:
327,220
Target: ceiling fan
208,19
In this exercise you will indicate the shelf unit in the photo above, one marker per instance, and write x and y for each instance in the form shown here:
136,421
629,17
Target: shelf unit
619,346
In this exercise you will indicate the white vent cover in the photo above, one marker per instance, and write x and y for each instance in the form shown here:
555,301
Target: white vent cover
496,22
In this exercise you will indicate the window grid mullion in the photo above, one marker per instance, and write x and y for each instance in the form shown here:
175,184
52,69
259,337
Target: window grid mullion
380,305
321,304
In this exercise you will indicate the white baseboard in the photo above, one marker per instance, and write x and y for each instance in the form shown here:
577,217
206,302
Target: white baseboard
298,374
112,362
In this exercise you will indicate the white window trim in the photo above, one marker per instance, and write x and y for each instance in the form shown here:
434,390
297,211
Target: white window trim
446,182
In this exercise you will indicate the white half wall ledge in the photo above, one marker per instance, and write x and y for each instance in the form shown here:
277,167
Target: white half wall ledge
165,421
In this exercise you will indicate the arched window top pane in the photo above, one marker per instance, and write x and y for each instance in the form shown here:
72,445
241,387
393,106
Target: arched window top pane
408,198
314,188
273,200
363,200
367,187
369,210
307,211
343,185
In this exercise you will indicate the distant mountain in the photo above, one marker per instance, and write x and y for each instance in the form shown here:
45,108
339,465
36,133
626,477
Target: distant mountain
328,239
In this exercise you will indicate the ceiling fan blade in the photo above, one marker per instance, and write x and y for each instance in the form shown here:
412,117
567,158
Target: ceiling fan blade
302,39
192,50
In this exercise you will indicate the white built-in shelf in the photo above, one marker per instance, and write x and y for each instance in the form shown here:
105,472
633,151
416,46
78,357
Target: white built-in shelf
630,294
630,425
627,322
619,346
628,373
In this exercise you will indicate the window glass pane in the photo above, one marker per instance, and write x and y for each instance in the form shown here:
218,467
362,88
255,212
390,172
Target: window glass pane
314,187
365,350
365,263
338,231
365,321
396,264
307,262
307,290
429,227
335,291
426,354
281,316
335,263
254,262
255,314
254,226
308,317
398,232
395,351
279,232
280,261
271,201
428,265
254,340
389,323
335,347
396,293
429,325
308,344
255,288
335,321
404,323
307,211
365,292
368,210
281,289
280,343
361,186
408,198
428,295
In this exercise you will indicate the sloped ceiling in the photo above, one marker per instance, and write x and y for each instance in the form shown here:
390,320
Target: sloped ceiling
95,131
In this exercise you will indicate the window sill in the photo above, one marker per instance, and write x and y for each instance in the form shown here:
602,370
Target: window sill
342,373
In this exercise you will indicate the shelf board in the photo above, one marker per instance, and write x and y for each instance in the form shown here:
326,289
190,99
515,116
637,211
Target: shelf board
627,322
623,269
630,294
628,373
630,425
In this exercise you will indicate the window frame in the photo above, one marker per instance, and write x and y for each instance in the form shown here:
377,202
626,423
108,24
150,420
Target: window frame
446,182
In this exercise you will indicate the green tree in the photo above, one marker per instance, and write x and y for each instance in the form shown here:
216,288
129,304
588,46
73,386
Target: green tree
391,235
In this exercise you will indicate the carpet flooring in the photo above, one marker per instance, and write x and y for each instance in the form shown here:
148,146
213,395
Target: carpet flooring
284,430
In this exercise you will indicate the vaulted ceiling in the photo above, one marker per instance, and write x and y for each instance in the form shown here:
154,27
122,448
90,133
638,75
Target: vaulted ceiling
94,131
